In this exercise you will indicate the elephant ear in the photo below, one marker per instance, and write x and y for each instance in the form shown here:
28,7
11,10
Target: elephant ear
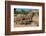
35,18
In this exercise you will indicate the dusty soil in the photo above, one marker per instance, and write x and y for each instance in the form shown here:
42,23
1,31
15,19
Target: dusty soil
18,25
